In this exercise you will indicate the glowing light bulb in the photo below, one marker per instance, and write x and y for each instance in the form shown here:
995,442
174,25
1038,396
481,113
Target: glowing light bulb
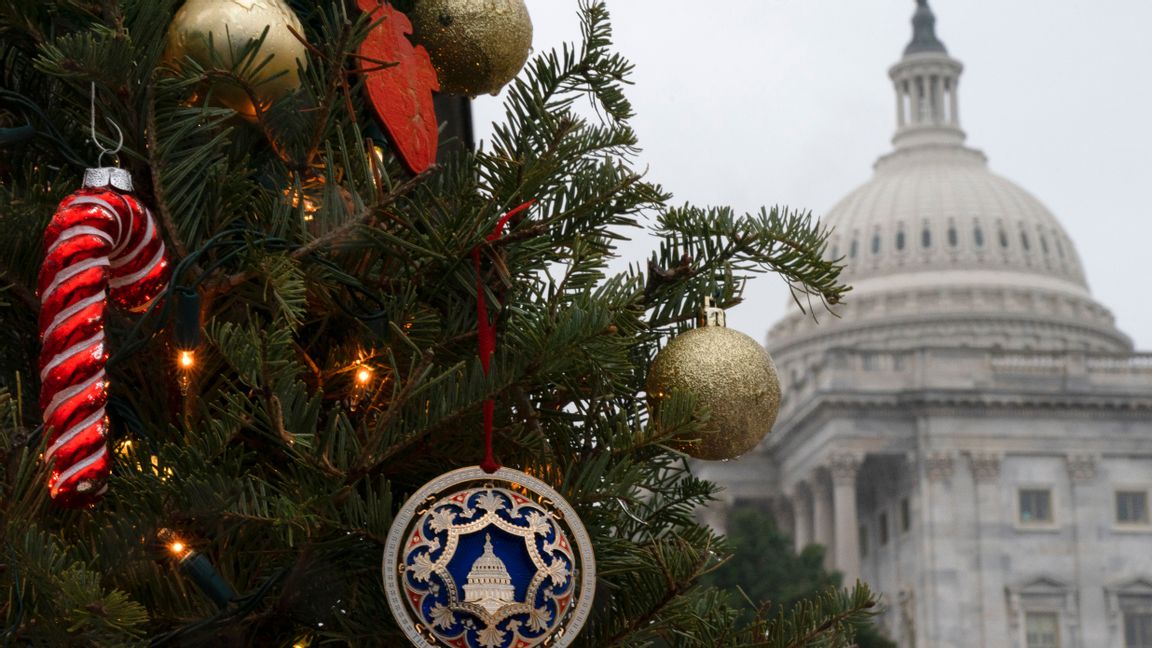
361,383
185,362
299,200
174,543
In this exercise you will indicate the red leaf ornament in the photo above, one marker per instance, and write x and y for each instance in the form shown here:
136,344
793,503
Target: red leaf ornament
401,94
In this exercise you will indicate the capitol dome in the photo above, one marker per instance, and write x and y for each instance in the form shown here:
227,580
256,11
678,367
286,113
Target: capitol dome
489,583
938,215
939,250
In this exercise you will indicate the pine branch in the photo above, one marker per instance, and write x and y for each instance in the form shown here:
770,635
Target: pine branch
366,218
167,223
828,620
337,79
15,288
674,588
368,457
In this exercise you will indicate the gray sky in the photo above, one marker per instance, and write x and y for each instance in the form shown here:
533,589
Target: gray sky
766,102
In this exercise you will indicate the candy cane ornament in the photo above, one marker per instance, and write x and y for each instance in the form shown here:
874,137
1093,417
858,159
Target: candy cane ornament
101,243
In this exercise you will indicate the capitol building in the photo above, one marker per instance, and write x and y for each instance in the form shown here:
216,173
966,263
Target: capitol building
489,582
972,435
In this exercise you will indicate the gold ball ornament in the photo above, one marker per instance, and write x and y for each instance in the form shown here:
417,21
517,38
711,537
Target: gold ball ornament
731,375
216,32
476,46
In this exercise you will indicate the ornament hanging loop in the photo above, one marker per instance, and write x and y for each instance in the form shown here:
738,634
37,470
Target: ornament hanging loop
92,126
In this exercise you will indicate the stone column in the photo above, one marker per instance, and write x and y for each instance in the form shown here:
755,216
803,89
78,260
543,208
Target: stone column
843,468
1087,504
919,97
937,99
937,603
989,526
802,509
955,112
822,530
901,91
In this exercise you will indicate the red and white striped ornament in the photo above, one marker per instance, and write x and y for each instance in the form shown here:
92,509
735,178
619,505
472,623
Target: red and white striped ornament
102,243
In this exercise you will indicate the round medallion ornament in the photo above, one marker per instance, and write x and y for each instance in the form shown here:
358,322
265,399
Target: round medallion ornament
488,560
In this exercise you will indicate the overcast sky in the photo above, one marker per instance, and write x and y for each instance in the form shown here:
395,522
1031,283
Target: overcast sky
765,102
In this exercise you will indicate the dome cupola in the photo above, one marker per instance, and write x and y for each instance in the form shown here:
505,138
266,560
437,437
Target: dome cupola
927,109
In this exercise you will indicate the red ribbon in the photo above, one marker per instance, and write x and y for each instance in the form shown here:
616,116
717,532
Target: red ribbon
487,336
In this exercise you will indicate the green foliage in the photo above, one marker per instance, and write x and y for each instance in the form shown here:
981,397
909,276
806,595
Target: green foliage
312,260
828,619
793,590
764,567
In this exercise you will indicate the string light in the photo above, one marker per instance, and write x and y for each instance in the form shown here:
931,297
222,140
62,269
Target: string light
186,334
198,568
300,195
174,544
362,376
376,162
127,453
186,363
299,200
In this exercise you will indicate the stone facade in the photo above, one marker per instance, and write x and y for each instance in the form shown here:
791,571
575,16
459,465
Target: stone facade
973,436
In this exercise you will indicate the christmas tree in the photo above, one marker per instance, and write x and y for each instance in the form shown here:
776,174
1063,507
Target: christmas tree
310,356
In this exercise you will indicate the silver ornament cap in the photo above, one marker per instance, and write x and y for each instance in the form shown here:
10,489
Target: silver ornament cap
114,177
711,314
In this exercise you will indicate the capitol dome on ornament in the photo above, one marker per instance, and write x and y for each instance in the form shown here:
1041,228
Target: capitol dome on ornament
489,583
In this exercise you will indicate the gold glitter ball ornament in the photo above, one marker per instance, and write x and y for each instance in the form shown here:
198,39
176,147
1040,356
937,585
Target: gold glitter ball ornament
477,46
731,375
217,32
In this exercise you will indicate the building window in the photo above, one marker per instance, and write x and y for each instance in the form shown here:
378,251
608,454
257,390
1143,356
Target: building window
1138,630
979,236
1003,239
883,530
1041,630
1035,506
926,237
852,249
900,240
1044,244
952,238
875,244
863,540
905,514
1132,507
1024,240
